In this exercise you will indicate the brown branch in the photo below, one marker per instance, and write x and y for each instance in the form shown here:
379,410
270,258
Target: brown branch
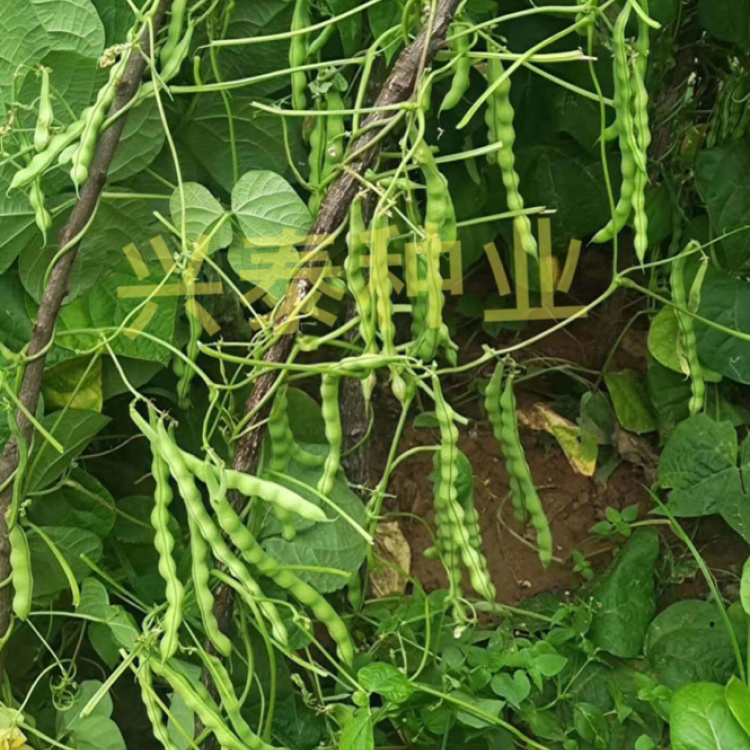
57,286
398,88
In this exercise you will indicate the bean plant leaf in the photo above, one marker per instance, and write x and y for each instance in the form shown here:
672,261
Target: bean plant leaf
625,599
76,383
202,212
728,20
72,542
358,732
737,696
687,642
74,429
141,141
702,720
335,545
631,401
385,680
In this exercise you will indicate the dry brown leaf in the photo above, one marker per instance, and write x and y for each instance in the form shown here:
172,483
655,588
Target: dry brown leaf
392,547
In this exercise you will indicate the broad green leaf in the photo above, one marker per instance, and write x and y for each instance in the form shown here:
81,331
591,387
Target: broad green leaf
117,18
591,725
69,720
484,707
81,501
699,465
728,20
117,629
74,429
259,18
140,143
670,394
15,325
76,383
259,137
725,300
95,731
17,218
33,28
625,599
597,417
687,642
358,733
737,696
202,212
631,402
387,681
72,542
268,210
335,545
513,689
181,722
118,223
702,720
305,418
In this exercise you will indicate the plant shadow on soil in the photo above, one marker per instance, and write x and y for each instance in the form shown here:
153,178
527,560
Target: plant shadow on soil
573,502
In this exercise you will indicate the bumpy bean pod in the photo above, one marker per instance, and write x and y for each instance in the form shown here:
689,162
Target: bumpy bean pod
93,119
42,161
329,395
164,543
46,116
355,276
251,486
688,337
196,330
316,159
282,440
174,30
298,53
460,46
42,216
335,132
500,117
631,158
153,709
197,511
228,699
450,512
520,474
492,397
643,138
22,577
198,700
254,554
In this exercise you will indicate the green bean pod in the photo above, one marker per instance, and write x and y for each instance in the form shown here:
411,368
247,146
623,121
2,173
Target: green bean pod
164,543
281,437
298,53
228,698
462,71
250,590
316,160
21,572
251,486
174,31
153,709
254,554
198,700
93,120
518,470
196,330
42,216
450,512
492,397
171,67
500,118
643,139
688,337
335,133
46,116
356,279
42,161
329,396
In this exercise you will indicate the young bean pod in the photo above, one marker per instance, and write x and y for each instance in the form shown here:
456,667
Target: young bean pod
520,474
282,440
46,116
460,47
164,543
254,554
500,118
335,133
688,341
79,171
492,396
174,31
42,216
21,572
153,709
329,396
298,53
